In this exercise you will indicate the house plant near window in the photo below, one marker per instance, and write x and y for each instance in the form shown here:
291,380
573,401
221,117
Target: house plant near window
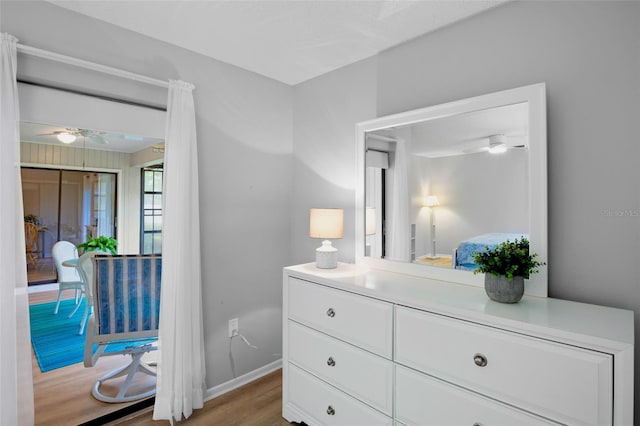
506,267
102,244
32,218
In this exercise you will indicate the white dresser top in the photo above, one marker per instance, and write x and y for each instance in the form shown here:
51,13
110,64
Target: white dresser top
585,325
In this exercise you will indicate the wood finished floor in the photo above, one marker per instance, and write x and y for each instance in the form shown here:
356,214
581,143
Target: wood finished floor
63,396
258,403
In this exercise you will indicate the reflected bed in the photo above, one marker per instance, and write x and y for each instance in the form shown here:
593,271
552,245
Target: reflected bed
463,254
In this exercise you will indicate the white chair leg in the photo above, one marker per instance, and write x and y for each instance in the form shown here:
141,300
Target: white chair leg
55,310
76,308
85,317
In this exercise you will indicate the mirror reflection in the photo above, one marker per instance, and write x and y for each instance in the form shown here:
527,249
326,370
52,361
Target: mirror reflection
438,190
437,183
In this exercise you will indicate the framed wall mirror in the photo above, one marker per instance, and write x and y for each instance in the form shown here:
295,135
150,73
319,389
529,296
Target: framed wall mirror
438,183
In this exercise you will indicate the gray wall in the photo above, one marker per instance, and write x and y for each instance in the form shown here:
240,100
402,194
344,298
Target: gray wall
588,53
325,111
244,125
478,193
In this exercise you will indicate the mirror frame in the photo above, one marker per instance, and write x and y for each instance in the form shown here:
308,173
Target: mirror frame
535,96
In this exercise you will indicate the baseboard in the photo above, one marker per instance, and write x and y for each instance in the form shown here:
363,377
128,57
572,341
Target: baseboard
235,383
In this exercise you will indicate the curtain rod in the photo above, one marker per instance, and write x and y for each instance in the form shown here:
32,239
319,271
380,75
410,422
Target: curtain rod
157,107
33,51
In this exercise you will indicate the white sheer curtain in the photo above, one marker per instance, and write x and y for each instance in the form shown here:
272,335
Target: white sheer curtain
105,204
16,389
399,232
181,368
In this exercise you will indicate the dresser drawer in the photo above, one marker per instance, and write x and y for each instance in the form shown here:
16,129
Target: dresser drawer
326,405
424,400
560,382
359,373
362,321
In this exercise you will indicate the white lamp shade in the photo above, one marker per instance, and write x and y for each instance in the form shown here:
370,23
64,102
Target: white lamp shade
326,223
370,221
431,201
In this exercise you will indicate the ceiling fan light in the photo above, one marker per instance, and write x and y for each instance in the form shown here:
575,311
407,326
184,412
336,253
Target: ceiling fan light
66,138
497,144
498,149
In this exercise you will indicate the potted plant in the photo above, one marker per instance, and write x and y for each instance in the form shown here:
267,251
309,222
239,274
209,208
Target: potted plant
102,243
505,267
32,218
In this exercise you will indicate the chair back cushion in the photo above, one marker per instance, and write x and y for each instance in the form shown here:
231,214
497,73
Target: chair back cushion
127,292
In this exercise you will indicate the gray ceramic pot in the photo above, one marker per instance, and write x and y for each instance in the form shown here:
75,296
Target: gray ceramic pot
502,290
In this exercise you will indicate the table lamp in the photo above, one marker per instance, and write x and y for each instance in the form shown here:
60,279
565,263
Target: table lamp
431,201
325,224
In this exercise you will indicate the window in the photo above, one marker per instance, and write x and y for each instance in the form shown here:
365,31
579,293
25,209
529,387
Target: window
151,220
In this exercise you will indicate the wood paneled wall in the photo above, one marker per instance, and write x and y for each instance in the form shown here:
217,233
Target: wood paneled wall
72,156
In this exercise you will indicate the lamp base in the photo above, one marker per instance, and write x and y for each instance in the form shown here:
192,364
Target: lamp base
326,256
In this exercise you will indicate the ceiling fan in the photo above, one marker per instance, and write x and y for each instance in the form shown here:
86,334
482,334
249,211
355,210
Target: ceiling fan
69,135
494,144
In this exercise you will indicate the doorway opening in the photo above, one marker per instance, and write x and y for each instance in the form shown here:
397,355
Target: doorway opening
68,205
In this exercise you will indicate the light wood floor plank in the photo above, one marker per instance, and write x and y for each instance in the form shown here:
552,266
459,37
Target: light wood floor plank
258,403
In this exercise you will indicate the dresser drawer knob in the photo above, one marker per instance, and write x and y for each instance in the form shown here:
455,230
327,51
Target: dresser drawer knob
331,411
480,360
331,313
331,362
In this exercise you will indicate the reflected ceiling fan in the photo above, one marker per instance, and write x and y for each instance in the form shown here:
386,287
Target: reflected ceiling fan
494,144
69,135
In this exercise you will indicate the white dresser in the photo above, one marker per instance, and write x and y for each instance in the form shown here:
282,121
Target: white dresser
369,347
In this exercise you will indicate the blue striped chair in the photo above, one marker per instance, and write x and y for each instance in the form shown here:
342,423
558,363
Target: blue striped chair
125,292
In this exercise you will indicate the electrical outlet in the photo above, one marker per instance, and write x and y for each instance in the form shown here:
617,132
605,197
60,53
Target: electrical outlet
233,327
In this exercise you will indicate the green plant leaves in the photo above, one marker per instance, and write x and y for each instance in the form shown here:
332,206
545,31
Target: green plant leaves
508,258
32,218
102,243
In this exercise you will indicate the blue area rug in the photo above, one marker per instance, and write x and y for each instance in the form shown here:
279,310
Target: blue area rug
55,338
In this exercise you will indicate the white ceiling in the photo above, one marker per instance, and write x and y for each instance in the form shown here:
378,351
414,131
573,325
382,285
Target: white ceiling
289,41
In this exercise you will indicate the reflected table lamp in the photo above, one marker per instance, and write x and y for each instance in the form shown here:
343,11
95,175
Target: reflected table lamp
326,224
432,202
